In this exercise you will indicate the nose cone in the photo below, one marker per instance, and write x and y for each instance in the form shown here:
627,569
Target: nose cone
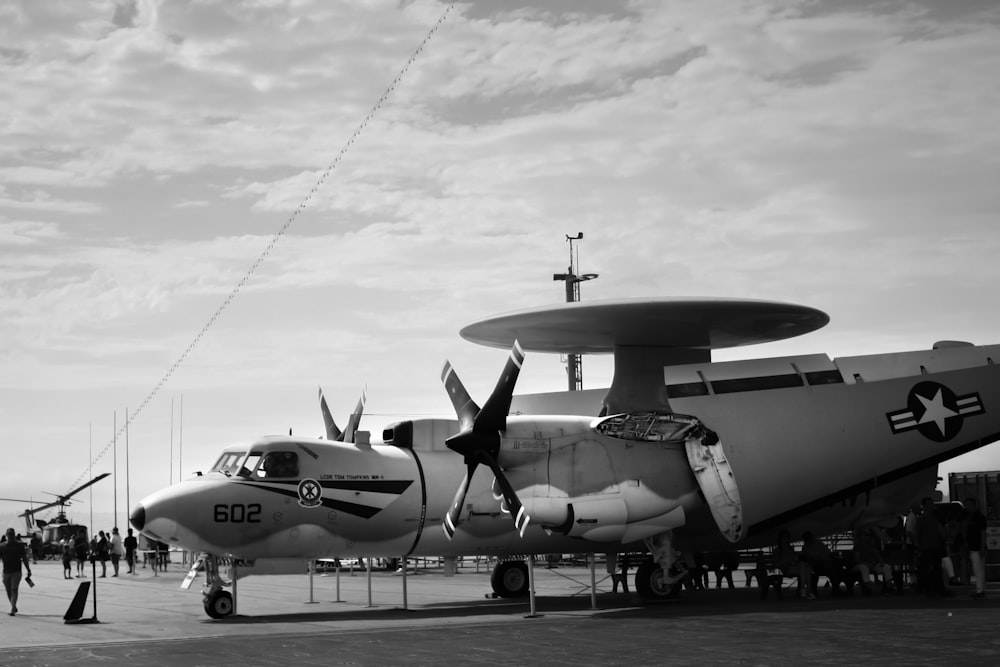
138,517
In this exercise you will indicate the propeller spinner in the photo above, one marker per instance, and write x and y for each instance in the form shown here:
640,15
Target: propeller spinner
479,440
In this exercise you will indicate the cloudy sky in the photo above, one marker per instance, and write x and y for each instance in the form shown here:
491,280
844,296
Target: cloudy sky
842,155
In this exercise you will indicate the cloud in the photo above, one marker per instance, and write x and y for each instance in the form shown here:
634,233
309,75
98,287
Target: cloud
26,232
835,154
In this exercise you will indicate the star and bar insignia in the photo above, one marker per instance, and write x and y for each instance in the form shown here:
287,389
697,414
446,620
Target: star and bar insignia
935,411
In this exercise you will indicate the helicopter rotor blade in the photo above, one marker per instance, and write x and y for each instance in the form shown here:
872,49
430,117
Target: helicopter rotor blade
62,499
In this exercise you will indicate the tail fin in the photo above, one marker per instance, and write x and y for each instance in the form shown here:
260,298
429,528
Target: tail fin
332,431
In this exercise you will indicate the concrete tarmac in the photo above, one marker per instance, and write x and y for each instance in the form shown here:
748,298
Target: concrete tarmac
148,620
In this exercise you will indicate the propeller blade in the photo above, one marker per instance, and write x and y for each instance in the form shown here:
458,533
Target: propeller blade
451,518
514,506
333,432
493,416
355,419
465,407
481,436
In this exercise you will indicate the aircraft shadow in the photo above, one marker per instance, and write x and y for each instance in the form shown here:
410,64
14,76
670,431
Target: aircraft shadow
710,603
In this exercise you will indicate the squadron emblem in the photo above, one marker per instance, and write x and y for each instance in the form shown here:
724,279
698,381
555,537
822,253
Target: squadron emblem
935,411
310,493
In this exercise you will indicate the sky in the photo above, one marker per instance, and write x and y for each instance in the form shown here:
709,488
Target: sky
210,209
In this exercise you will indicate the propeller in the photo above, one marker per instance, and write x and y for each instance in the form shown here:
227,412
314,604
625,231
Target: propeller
479,440
333,432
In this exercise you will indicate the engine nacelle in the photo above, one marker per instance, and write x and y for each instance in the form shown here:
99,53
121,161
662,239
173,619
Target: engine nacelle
598,518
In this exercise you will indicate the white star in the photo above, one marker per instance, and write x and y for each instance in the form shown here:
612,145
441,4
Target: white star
935,411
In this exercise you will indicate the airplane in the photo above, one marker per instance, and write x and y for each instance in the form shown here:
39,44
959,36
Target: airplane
54,531
679,455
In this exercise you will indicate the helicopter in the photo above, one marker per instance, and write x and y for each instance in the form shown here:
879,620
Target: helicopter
53,532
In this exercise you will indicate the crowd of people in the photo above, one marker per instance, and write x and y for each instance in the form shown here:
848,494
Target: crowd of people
102,548
933,549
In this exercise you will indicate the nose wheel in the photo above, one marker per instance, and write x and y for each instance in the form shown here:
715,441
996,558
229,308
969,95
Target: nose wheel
217,600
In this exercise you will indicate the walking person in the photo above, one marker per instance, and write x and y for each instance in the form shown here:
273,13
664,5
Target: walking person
14,554
975,540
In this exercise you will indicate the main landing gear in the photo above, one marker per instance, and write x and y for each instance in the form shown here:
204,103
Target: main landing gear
661,576
510,579
653,586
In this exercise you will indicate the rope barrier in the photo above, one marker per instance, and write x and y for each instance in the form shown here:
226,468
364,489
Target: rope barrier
273,242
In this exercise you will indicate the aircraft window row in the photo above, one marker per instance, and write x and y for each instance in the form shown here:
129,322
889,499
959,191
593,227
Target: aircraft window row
277,464
814,378
757,384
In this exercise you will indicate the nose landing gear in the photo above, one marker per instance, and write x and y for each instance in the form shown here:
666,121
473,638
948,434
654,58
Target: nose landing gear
218,603
217,600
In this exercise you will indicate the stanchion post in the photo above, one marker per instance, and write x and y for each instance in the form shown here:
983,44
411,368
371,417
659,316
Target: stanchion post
530,560
312,569
93,574
368,569
593,581
404,583
236,576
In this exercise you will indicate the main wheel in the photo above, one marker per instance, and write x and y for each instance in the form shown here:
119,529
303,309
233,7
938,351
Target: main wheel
650,585
219,604
510,579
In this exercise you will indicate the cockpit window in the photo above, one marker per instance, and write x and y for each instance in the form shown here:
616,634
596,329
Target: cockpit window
278,464
248,466
229,462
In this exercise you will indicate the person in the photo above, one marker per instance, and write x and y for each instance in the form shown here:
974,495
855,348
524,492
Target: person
80,548
162,555
868,558
103,549
930,544
14,554
66,551
822,561
975,540
910,531
788,561
117,550
36,548
730,564
130,544
954,546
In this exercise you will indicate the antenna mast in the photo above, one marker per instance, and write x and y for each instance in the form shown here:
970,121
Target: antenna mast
574,368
